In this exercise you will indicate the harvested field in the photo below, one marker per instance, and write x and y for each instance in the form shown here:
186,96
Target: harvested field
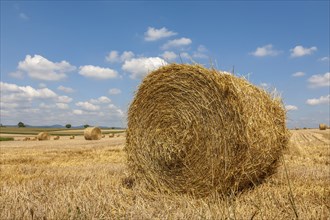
79,179
52,131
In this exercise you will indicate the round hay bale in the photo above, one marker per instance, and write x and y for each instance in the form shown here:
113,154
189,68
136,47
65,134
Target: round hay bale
93,133
323,126
194,130
43,136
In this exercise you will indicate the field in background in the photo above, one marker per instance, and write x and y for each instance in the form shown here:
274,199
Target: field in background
28,131
79,179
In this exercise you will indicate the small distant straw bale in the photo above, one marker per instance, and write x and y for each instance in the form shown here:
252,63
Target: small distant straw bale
93,133
56,137
43,136
111,135
323,126
195,130
72,137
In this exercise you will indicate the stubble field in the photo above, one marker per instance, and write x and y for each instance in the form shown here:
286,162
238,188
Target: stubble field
79,179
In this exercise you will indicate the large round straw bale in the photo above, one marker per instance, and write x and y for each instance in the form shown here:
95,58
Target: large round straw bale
43,136
93,133
194,130
323,126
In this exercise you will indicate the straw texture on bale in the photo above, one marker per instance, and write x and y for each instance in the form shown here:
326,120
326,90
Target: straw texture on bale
195,130
323,126
43,136
93,133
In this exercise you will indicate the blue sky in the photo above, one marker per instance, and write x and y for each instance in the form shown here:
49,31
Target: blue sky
80,62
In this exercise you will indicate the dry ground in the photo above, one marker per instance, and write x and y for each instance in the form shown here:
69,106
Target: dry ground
78,179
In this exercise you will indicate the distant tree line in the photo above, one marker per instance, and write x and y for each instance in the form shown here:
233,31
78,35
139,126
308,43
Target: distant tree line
22,125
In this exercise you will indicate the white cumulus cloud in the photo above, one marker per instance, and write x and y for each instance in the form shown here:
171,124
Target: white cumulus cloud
153,34
65,89
42,106
199,55
12,92
77,112
267,50
169,55
319,80
42,85
114,110
88,106
185,55
97,72
299,51
21,102
298,74
114,91
140,67
319,101
115,57
325,59
17,75
62,105
126,55
64,99
177,43
100,100
38,67
202,48
291,108
45,106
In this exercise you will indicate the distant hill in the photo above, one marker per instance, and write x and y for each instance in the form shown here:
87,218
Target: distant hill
44,126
